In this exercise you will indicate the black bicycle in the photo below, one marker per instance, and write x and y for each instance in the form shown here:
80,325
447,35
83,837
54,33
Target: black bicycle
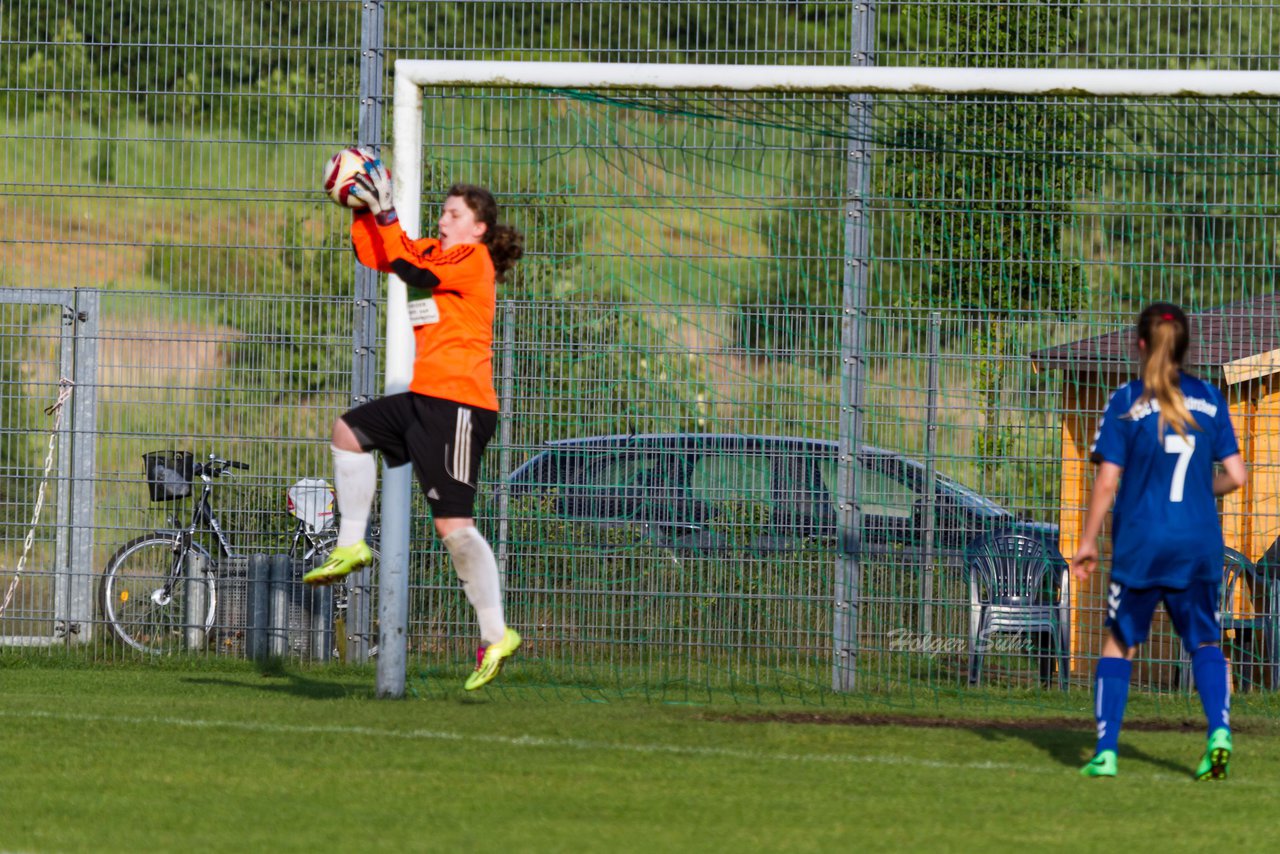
159,592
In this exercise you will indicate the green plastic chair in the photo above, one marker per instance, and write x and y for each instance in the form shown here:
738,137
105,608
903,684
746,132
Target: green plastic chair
1262,622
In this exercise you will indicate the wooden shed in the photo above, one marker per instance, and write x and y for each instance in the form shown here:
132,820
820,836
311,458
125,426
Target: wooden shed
1237,347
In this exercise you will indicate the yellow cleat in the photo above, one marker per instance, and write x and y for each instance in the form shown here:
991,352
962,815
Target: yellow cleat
491,663
342,561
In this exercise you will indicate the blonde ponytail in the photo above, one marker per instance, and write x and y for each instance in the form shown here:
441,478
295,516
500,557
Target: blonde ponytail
1162,327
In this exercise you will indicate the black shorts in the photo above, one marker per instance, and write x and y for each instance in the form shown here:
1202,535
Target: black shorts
443,439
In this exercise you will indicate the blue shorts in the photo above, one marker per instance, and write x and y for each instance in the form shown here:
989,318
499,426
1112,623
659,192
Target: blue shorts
1194,612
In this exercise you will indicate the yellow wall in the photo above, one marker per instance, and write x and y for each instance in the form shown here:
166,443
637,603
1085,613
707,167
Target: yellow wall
1237,523
1263,457
1082,404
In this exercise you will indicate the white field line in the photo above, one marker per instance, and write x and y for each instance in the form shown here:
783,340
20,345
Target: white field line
535,741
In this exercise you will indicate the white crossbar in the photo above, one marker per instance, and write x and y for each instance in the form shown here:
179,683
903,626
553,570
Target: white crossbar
902,80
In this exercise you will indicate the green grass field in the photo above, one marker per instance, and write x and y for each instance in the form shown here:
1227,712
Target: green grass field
230,758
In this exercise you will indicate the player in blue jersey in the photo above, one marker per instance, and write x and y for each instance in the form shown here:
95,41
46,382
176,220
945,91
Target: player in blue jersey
1157,442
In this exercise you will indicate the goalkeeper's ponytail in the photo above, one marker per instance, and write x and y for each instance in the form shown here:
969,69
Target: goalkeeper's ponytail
505,244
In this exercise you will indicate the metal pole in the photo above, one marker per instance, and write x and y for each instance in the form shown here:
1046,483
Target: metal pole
258,600
196,604
84,436
848,571
506,395
278,582
63,561
318,606
930,477
393,590
364,364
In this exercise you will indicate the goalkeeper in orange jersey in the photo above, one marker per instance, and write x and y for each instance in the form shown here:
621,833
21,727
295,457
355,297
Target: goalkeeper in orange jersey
444,421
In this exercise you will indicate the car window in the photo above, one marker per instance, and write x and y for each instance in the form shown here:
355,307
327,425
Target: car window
978,502
802,505
717,478
879,494
611,487
622,470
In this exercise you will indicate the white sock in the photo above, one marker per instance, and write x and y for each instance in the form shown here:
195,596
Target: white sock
355,478
474,562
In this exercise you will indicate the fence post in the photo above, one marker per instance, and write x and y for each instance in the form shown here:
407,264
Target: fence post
930,478
848,570
63,622
84,436
506,393
364,364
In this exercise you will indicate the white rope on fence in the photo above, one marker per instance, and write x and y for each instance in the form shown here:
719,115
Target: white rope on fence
64,394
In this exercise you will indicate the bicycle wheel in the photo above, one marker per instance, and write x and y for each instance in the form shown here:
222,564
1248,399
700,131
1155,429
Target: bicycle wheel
342,594
149,609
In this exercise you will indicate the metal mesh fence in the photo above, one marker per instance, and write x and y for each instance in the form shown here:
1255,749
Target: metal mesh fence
689,274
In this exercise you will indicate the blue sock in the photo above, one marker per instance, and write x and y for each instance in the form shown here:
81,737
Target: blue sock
1111,695
1209,666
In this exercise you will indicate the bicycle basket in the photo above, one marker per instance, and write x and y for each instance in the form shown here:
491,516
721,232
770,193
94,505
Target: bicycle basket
169,474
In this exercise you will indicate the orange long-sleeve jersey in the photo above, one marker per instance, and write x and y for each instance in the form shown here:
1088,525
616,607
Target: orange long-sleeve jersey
452,296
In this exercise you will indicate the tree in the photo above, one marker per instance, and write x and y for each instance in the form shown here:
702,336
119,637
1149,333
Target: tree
229,61
798,294
985,188
1193,197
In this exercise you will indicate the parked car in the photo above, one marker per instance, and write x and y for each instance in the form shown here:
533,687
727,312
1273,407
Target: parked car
696,491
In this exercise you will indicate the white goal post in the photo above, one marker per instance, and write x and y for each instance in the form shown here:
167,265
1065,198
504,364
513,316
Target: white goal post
412,76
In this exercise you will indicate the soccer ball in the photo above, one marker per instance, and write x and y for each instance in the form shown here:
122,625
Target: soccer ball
340,172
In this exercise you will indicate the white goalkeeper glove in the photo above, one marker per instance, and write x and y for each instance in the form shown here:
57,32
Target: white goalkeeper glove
373,187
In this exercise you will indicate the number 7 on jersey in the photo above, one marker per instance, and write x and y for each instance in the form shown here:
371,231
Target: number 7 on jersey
1184,447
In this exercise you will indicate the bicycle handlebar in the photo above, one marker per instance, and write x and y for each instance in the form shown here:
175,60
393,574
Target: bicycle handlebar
216,467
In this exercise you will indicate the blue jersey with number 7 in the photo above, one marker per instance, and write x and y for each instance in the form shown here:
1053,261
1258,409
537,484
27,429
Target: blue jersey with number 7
1165,530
